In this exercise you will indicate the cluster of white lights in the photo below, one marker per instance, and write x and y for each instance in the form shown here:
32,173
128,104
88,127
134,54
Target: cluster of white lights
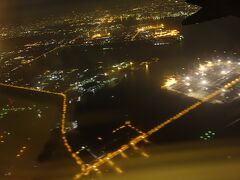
205,77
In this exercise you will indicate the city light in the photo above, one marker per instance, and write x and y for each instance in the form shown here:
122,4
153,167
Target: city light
168,33
60,72
147,28
95,36
202,68
205,77
204,82
169,82
128,124
152,131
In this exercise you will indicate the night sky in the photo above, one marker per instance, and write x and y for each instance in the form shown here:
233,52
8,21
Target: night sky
35,3
23,10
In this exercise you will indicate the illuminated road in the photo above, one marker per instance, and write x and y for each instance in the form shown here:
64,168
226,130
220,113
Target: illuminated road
76,158
128,124
85,170
133,38
142,137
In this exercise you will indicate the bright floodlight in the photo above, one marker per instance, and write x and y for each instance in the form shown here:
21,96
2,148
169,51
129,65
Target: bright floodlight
207,77
204,82
170,82
202,68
